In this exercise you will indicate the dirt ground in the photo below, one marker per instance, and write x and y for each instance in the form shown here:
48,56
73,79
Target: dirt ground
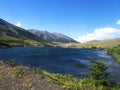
24,78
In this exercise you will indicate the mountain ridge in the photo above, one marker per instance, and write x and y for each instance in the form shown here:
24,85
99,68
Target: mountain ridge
52,37
13,35
14,31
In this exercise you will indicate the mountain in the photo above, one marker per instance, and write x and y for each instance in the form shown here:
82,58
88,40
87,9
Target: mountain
93,41
108,43
103,44
52,37
14,31
13,35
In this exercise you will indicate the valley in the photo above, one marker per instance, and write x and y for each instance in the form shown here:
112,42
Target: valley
56,57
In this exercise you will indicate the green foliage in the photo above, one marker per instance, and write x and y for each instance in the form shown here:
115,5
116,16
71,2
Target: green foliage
72,83
19,73
115,52
69,82
99,81
98,73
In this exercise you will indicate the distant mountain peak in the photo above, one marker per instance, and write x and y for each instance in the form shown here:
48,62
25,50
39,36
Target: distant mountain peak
52,37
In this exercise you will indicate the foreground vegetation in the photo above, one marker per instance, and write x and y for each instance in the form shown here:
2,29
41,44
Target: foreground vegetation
13,76
99,79
115,52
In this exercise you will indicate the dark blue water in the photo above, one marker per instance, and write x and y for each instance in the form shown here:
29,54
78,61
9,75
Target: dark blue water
60,60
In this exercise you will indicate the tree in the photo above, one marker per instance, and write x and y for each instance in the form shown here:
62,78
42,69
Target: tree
98,73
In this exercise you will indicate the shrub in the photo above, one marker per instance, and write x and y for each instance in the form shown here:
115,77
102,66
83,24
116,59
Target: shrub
98,73
19,73
115,52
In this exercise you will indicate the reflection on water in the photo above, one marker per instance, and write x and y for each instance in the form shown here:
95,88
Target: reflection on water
60,60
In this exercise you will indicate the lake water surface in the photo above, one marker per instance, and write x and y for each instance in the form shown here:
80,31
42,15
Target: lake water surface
60,60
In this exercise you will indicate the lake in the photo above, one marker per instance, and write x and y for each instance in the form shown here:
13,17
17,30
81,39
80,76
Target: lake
60,60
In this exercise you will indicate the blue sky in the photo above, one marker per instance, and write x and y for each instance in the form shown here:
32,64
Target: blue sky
82,20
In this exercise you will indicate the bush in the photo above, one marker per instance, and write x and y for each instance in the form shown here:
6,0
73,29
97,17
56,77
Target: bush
98,73
115,52
19,73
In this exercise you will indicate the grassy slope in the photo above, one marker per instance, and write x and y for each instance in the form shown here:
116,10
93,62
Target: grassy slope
11,41
11,35
98,44
19,77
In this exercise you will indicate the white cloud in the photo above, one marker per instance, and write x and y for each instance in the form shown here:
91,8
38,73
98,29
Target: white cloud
118,22
100,34
18,24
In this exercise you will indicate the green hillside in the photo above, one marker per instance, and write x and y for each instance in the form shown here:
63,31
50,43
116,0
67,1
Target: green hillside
11,35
